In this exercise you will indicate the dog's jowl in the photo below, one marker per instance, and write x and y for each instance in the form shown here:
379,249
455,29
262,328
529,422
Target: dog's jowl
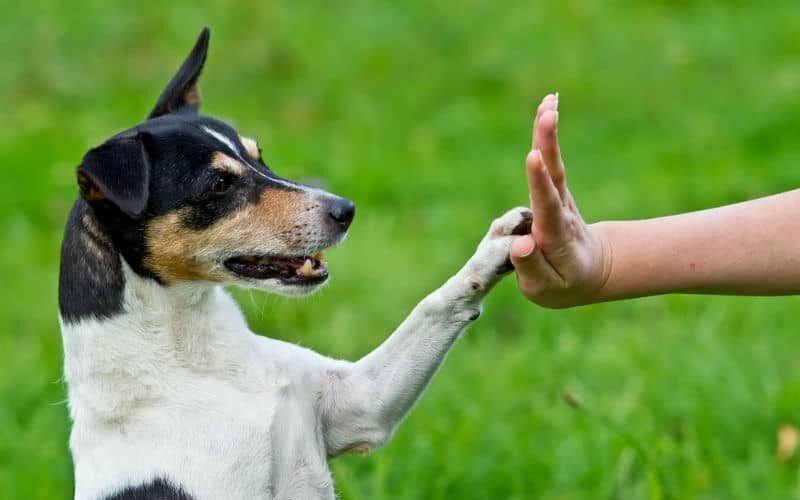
171,395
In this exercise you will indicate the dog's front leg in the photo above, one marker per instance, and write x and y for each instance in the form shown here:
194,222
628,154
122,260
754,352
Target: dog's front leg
362,402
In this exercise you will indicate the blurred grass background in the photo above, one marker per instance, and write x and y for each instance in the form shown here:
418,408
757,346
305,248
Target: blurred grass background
421,113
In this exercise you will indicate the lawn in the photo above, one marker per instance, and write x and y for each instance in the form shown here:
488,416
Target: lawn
420,112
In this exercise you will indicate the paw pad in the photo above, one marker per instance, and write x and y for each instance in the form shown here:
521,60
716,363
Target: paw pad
524,226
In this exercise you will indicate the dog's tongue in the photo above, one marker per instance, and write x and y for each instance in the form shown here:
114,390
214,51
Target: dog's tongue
297,261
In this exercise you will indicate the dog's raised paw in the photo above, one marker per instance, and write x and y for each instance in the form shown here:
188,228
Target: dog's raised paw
491,259
516,221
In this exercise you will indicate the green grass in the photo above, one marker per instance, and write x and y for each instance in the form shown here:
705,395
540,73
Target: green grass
420,112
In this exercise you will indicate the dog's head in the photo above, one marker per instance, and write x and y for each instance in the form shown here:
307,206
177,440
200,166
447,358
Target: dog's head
186,198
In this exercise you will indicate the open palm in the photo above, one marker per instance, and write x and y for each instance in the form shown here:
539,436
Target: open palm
562,262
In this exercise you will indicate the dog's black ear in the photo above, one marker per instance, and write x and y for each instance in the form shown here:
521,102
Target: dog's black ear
117,171
181,93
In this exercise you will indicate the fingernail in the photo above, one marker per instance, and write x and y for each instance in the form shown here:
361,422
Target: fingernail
556,106
555,122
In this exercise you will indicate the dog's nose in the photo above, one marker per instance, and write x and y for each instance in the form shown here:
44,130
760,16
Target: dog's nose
342,212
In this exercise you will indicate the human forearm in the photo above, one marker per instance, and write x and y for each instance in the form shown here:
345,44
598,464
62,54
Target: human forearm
750,248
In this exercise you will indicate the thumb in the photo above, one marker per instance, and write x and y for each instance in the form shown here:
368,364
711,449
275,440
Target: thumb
521,249
528,260
531,266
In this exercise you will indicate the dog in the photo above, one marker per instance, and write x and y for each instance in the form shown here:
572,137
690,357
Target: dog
171,396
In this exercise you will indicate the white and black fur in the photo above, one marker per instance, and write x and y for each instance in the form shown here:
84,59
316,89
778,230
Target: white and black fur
172,397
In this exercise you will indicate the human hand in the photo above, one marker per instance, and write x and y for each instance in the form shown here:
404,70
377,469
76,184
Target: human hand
563,262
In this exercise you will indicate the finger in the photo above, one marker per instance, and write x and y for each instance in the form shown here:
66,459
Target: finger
550,101
522,248
546,204
547,139
533,270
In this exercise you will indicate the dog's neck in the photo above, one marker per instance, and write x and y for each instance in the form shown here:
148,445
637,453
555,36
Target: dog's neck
97,283
112,317
122,327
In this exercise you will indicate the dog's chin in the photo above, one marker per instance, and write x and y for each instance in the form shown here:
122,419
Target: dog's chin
278,288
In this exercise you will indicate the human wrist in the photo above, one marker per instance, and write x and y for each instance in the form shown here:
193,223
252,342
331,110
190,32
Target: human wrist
639,259
601,235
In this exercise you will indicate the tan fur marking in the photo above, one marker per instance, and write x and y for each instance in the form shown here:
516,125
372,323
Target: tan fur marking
89,189
250,147
221,161
192,97
178,254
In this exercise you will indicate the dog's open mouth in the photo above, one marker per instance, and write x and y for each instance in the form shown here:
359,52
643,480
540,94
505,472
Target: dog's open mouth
305,270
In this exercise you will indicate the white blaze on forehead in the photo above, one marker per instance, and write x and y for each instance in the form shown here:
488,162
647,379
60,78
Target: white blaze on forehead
222,138
226,141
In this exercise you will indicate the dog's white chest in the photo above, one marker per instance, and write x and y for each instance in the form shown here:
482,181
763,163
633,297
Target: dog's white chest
220,417
233,444
222,446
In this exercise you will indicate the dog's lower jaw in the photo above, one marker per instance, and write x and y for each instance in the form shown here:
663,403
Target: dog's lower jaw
277,288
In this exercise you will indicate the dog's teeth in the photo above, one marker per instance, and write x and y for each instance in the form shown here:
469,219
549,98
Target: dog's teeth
307,269
318,256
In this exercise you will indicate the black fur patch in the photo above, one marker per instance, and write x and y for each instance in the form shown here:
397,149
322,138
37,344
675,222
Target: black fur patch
159,489
524,227
90,280
507,267
181,94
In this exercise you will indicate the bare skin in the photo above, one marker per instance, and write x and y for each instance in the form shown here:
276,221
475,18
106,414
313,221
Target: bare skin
749,248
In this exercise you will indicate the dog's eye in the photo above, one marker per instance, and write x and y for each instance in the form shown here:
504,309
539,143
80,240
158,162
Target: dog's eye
221,184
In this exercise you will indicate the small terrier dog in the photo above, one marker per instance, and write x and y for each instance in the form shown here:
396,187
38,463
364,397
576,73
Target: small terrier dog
172,397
